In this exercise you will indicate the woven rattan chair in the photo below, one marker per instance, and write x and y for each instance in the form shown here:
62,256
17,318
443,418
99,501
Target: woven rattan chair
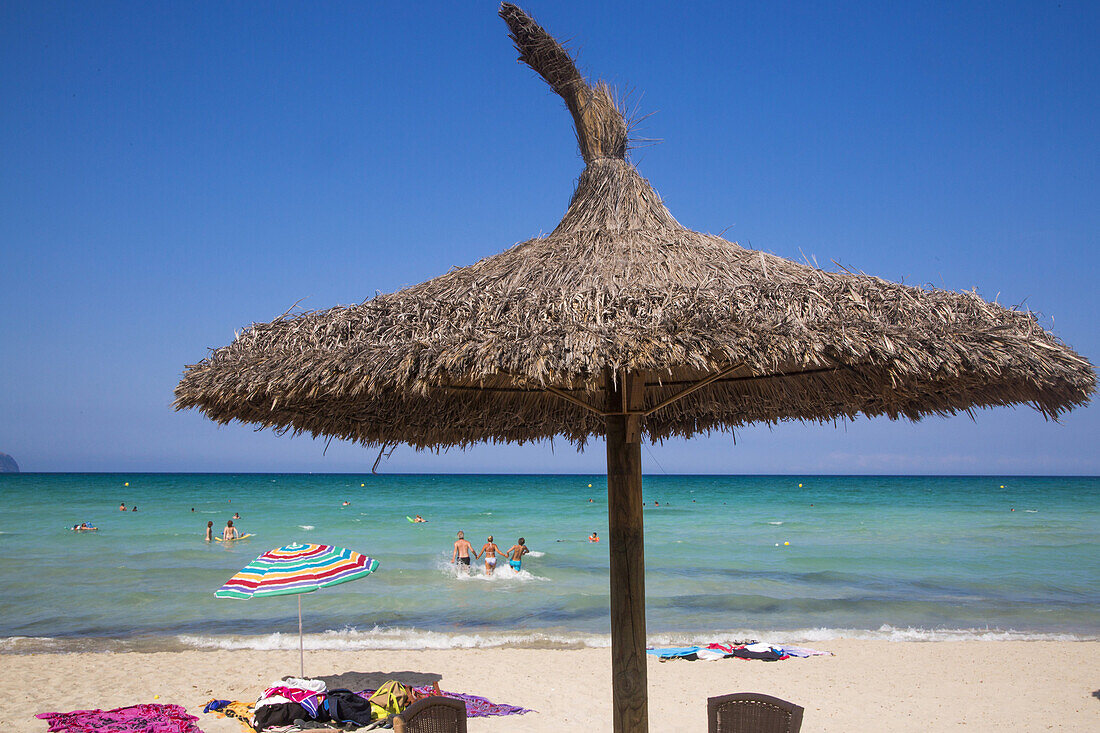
432,715
749,712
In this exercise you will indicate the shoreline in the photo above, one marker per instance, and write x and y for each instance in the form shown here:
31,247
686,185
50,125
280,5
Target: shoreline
410,639
867,685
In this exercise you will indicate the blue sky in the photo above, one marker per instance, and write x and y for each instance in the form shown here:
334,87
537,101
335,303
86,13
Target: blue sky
173,172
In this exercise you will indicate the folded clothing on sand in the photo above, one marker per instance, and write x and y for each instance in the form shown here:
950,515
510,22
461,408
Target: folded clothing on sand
145,718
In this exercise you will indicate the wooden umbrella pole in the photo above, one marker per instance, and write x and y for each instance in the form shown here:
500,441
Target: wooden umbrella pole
301,643
624,509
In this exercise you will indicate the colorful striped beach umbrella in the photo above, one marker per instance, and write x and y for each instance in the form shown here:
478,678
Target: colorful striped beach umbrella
296,569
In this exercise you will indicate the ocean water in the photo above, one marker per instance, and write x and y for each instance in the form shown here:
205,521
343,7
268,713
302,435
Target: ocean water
875,557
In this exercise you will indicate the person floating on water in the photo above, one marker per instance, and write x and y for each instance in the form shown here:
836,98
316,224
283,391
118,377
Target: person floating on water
84,527
515,555
489,550
230,532
346,503
461,554
237,515
420,519
593,537
209,531
134,509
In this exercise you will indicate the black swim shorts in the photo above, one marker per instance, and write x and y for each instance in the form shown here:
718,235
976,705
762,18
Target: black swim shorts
464,560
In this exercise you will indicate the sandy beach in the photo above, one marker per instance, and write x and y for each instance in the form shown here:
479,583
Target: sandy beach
866,686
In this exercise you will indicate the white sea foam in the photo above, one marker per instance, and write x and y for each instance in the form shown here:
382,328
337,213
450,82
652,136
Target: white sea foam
502,574
411,638
536,553
397,638
306,527
775,523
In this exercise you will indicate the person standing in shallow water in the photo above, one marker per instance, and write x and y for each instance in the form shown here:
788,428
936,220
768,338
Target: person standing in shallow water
209,531
490,551
515,555
230,532
462,551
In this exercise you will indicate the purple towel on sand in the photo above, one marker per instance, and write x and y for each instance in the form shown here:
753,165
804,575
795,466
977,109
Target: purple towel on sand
151,718
476,707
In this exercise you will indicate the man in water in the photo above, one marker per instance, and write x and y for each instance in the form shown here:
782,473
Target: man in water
209,531
489,550
122,507
461,554
515,555
593,537
230,532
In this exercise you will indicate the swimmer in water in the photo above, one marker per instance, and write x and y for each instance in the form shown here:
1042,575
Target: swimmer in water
593,537
122,507
420,519
237,515
230,532
489,550
209,531
346,503
515,555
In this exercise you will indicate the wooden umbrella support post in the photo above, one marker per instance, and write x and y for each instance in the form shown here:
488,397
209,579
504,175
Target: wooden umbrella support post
624,509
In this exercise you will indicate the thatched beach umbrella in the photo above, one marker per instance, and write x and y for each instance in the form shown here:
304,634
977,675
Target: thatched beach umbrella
623,324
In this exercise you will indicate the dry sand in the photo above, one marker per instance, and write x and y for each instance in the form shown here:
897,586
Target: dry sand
868,686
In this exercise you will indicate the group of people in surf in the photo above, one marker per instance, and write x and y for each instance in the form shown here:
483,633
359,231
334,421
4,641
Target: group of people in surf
463,550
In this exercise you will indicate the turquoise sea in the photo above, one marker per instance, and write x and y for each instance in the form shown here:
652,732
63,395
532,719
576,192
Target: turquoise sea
874,557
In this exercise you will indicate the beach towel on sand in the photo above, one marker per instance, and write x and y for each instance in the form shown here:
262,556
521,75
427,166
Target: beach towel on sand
145,718
240,711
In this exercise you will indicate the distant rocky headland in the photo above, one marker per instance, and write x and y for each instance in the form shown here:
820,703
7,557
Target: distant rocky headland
8,464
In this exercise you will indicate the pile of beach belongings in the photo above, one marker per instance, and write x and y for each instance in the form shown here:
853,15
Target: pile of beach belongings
751,650
295,703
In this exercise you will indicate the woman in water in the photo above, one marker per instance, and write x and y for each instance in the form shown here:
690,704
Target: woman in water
489,550
209,531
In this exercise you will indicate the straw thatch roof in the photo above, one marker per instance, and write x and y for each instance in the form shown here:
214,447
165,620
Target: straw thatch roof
517,347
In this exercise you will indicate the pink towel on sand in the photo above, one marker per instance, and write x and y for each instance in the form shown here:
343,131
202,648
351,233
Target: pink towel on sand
150,718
